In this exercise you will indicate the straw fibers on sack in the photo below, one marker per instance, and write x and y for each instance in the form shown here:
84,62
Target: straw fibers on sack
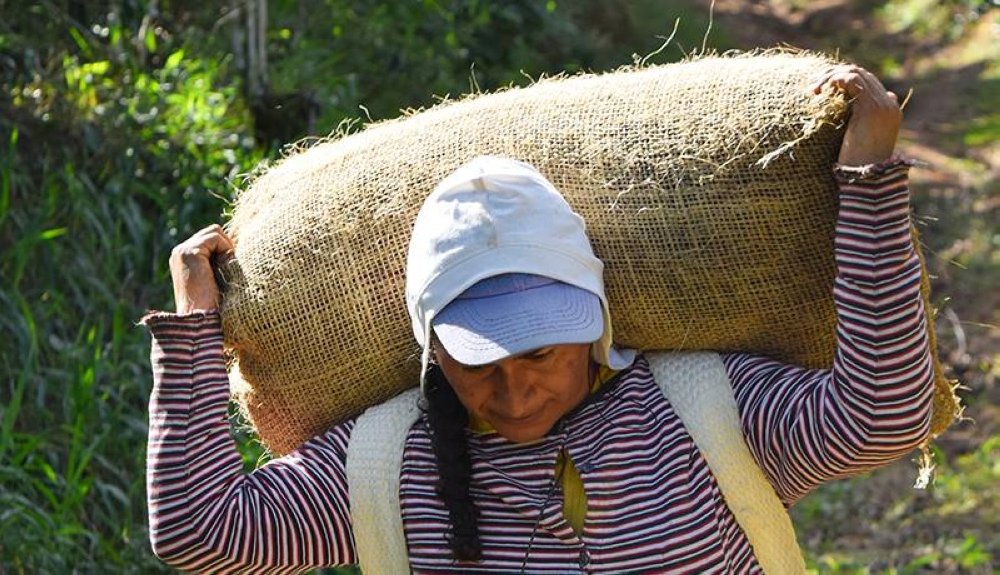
706,187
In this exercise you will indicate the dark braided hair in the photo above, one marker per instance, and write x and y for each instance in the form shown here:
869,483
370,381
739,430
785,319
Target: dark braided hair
448,418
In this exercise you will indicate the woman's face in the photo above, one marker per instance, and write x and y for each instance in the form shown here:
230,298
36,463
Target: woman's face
522,396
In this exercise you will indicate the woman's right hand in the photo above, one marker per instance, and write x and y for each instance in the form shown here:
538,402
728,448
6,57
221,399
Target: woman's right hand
191,269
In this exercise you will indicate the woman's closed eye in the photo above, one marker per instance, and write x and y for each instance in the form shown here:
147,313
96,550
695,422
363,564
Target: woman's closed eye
478,371
539,354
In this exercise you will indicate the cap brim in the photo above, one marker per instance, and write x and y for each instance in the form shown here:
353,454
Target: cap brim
486,330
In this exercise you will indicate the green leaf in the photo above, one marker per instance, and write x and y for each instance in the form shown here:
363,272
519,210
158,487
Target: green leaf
52,233
98,68
80,41
6,177
174,60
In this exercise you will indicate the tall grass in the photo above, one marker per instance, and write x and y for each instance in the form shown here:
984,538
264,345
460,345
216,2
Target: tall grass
73,259
98,180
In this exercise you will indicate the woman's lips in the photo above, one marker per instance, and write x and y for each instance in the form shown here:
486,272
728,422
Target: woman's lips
521,420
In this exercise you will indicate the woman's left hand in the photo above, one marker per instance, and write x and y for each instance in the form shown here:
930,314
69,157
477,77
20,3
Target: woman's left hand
875,115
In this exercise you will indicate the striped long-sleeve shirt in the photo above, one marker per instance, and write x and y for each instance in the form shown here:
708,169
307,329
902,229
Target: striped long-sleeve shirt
652,503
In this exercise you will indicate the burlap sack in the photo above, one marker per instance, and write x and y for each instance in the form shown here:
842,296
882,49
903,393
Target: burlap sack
707,190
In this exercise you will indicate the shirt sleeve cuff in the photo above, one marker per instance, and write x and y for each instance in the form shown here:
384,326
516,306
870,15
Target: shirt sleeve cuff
196,319
874,172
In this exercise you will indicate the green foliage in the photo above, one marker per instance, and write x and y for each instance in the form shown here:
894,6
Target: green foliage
107,159
970,483
387,56
962,506
984,130
932,19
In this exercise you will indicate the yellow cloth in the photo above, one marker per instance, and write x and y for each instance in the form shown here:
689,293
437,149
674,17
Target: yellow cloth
574,496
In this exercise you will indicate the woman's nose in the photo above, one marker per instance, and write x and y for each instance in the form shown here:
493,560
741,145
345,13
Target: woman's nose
512,393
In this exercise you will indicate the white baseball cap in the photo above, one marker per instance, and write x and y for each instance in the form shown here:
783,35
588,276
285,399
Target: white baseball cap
495,216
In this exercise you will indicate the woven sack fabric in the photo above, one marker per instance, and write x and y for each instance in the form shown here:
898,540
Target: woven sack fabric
706,187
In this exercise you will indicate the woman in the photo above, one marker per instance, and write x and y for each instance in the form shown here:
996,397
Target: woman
543,449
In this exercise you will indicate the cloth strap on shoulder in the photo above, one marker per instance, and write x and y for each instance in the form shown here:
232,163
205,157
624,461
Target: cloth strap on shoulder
699,390
374,460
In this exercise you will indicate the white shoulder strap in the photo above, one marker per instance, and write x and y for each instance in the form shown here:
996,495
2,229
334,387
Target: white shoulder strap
374,460
698,388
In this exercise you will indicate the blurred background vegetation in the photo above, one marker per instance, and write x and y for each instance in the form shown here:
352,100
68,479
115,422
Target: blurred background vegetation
125,125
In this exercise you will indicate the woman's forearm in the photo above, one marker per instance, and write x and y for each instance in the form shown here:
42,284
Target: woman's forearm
809,426
204,512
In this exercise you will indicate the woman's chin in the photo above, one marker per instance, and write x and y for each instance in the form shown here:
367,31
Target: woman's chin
523,431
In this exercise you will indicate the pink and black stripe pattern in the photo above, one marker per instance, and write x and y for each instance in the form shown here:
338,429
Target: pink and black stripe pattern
204,514
652,501
653,505
807,427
